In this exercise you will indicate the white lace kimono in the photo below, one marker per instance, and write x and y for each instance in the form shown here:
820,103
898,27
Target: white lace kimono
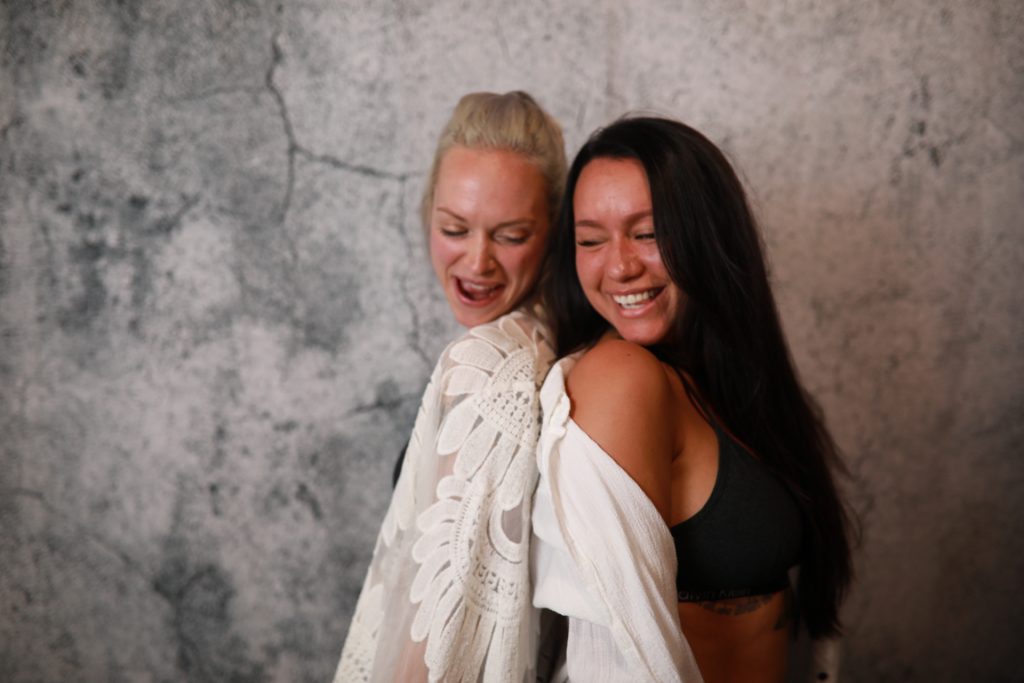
447,596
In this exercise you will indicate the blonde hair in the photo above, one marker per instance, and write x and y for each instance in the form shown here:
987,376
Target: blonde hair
511,122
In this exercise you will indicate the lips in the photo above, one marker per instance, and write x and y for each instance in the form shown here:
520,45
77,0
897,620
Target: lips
477,293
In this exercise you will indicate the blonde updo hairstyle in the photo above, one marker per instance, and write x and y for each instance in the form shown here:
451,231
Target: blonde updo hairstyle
511,122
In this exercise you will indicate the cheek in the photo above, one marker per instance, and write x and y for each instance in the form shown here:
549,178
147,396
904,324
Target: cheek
442,252
651,258
678,300
521,265
588,270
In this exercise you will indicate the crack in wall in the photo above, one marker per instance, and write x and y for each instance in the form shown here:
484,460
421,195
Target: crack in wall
389,404
276,57
211,93
359,169
296,149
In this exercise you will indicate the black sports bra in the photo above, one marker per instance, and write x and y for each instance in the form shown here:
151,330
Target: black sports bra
748,534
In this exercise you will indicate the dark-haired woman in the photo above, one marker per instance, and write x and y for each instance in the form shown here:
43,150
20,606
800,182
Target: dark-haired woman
684,470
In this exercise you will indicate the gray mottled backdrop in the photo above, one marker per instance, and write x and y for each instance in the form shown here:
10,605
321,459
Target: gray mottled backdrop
217,315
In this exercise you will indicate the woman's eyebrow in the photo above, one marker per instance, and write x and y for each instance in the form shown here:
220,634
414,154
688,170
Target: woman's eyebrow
629,219
525,221
638,216
451,213
515,223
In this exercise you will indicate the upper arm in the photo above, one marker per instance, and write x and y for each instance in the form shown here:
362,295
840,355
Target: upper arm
622,399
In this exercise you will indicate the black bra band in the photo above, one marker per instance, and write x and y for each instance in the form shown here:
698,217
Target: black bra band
730,593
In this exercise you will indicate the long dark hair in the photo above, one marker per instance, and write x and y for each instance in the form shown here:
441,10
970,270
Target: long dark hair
728,337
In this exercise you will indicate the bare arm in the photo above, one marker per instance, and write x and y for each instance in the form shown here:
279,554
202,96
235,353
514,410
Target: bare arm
622,399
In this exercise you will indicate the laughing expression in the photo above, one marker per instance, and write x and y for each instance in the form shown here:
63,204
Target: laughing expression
617,257
488,231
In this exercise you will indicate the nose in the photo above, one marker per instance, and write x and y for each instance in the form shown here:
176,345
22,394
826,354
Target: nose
481,259
624,263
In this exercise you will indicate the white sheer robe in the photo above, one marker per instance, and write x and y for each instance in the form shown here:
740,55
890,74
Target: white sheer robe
448,596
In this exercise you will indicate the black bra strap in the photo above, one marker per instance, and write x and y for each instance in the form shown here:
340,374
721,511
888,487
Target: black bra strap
698,402
709,415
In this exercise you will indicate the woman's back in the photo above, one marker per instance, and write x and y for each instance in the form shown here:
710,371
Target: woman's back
735,528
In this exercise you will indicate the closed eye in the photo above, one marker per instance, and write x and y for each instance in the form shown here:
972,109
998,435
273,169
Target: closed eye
452,231
589,236
512,237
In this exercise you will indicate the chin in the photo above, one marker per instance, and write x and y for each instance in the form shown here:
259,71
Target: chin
471,317
642,337
468,320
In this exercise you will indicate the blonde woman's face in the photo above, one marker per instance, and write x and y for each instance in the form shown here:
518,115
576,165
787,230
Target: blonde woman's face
488,231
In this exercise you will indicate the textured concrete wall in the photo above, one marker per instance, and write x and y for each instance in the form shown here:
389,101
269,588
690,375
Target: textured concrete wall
216,315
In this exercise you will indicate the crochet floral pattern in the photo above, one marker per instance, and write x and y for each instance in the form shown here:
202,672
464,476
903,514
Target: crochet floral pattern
465,540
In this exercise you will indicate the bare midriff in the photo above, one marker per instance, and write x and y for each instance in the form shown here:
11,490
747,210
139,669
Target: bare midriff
740,639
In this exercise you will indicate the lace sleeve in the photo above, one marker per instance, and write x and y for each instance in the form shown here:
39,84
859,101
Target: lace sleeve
447,594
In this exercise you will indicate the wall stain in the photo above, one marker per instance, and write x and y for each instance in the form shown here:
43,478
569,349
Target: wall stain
304,495
925,139
387,398
215,499
275,500
220,438
141,286
317,298
104,224
87,256
5,267
200,593
200,598
287,426
296,638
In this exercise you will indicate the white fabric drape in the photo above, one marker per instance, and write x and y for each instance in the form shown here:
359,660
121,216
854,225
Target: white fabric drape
448,596
603,556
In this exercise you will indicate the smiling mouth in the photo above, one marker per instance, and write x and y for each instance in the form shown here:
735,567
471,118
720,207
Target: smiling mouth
636,299
477,293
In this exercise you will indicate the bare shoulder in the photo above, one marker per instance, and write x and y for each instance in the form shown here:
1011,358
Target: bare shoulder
623,399
617,372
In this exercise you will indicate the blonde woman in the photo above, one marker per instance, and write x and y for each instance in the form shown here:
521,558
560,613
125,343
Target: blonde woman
447,595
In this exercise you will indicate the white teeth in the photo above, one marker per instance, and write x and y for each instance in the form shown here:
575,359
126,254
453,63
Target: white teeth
634,300
477,289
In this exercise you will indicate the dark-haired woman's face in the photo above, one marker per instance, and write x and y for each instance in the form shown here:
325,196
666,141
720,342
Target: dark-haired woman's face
617,258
